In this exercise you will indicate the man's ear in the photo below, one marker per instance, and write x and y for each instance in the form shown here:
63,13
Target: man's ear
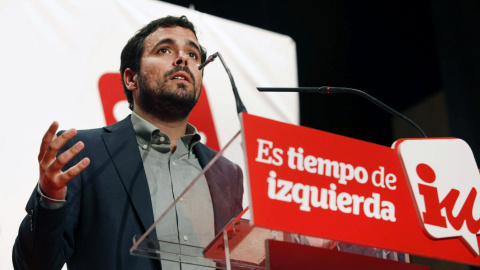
130,79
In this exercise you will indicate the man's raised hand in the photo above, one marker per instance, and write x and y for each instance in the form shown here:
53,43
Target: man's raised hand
53,180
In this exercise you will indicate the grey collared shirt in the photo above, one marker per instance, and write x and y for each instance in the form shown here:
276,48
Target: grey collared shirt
190,221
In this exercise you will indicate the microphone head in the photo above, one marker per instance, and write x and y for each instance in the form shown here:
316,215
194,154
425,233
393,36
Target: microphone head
208,61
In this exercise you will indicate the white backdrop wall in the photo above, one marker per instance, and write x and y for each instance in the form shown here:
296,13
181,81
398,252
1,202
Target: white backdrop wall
53,53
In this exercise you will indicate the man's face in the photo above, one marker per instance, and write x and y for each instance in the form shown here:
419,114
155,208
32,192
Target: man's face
169,80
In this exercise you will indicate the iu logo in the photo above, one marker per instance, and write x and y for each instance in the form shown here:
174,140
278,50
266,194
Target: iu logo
444,180
115,107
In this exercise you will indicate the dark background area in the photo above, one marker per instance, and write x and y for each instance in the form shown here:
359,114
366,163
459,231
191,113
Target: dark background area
401,52
420,57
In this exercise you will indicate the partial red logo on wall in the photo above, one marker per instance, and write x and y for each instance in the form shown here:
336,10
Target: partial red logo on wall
115,108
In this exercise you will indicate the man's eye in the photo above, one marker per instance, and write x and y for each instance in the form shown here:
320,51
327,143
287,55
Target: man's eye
193,55
163,50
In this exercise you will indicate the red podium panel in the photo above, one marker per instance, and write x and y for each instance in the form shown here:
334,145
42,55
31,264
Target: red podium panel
287,256
325,185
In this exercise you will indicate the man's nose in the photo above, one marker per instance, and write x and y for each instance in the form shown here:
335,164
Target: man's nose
181,60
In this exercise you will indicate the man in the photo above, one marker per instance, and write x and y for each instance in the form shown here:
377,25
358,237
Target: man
122,177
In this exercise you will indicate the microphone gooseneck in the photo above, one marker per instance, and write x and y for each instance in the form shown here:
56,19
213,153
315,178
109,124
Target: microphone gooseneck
333,90
238,100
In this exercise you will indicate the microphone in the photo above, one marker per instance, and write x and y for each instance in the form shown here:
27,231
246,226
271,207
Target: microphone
334,90
208,61
238,100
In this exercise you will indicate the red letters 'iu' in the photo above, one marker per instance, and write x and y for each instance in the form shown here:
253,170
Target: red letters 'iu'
433,205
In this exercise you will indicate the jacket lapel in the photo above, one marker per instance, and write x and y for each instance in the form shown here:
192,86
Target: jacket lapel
203,153
216,184
122,146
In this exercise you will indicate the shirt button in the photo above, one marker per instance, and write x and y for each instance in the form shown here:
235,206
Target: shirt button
185,238
162,139
144,146
174,164
181,199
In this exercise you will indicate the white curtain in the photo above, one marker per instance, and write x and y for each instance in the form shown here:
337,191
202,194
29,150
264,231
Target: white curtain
53,53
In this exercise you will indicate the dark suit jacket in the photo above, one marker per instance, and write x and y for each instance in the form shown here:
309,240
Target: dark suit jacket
108,203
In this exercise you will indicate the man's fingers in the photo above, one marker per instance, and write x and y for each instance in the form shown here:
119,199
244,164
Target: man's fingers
47,139
52,179
55,187
54,146
64,158
73,171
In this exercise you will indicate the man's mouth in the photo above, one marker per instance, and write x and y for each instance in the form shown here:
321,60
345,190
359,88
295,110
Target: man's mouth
179,78
180,75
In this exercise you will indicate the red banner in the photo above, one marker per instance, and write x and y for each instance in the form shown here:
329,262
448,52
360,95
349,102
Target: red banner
325,185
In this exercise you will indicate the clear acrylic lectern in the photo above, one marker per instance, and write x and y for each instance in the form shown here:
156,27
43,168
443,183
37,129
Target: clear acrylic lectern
195,237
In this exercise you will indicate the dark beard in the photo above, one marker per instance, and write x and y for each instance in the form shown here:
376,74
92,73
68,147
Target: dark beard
164,104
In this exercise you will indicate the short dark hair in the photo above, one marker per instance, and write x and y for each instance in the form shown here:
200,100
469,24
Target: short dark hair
133,50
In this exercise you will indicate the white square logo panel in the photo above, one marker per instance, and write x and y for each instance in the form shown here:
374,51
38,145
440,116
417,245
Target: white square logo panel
444,180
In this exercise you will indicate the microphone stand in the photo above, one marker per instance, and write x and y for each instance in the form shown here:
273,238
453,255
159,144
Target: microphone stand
238,100
333,90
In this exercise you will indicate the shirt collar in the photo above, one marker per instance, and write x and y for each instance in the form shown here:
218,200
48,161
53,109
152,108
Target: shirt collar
146,131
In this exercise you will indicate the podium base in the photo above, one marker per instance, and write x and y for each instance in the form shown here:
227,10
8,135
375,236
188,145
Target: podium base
285,255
